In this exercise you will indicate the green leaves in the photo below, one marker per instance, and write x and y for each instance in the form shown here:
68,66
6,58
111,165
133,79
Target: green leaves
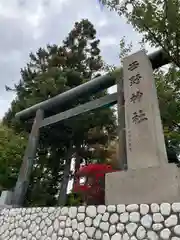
12,147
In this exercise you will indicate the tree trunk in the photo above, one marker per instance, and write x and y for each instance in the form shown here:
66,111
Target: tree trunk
77,164
63,189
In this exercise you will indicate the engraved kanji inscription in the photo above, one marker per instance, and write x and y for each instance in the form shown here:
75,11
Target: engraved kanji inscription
136,96
132,66
135,79
129,140
139,117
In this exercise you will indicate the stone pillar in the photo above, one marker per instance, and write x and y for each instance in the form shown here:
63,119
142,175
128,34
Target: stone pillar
148,169
144,134
5,198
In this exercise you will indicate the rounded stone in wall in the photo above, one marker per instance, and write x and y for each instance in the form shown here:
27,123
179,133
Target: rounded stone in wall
131,228
116,236
146,221
48,222
134,217
80,217
171,221
74,224
51,209
121,208
54,236
81,209
144,209
62,224
133,238
120,227
165,234
29,210
72,212
23,225
68,232
38,234
68,222
44,230
44,215
75,235
91,211
88,221
97,220
111,208
154,207
42,224
177,230
101,209
98,234
61,232
90,231
176,207
124,217
38,220
62,218
157,217
64,211
35,230
141,232
105,236
80,227
32,226
152,235
165,209
58,212
132,207
50,231
104,226
125,236
114,218
112,229
83,236
25,233
56,225
157,226
105,217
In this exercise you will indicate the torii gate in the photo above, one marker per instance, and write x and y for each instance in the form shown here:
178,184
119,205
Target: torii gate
39,111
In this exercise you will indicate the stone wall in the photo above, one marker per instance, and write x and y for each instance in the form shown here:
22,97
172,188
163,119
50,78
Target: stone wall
102,222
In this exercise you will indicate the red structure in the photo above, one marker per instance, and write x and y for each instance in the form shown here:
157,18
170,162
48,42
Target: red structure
90,182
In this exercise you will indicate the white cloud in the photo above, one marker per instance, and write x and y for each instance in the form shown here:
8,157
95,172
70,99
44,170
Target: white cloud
108,41
27,25
102,22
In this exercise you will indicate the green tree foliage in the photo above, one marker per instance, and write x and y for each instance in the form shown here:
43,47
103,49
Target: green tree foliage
12,148
157,20
158,23
74,199
51,71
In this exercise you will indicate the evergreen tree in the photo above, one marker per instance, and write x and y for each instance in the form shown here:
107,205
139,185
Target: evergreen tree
51,71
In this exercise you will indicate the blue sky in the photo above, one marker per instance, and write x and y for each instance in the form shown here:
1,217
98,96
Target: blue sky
27,25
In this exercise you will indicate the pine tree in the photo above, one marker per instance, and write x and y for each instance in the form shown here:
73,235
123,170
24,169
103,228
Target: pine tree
51,71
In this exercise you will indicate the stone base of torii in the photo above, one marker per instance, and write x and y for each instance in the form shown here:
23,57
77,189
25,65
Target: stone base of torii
149,177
